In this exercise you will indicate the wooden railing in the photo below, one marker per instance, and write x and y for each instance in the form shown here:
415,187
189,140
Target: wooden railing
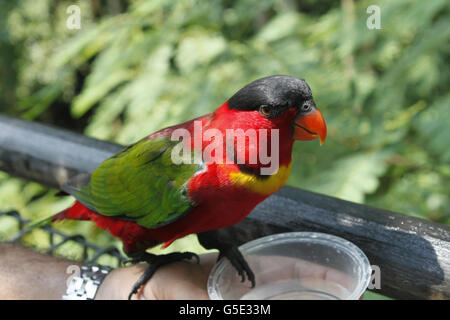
413,254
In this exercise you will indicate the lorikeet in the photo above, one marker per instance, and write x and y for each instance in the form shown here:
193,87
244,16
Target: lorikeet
142,197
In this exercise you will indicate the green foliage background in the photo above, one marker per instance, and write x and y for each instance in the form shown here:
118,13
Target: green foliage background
137,66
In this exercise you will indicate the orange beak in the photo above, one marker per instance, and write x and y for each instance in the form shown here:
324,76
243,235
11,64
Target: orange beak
310,126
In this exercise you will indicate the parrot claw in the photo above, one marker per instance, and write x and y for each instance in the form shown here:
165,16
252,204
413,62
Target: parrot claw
155,261
233,254
214,240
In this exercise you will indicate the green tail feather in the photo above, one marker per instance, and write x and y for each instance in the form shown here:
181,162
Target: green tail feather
31,226
39,223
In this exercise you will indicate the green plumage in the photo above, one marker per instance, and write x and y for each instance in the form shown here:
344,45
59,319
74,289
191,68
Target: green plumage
141,184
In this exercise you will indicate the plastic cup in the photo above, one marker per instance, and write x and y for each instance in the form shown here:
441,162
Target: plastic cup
295,266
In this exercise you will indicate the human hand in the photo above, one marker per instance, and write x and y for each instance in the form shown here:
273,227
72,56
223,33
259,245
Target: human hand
175,281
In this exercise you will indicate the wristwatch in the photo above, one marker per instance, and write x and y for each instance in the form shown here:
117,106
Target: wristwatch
84,284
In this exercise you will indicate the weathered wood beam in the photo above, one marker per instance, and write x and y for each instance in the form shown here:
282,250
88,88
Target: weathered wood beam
413,254
46,154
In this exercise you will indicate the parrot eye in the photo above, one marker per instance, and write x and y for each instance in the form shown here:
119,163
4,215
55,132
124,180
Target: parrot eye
265,110
305,107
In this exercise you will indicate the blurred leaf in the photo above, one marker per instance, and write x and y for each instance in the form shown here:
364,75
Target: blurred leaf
351,177
197,48
281,26
433,127
93,94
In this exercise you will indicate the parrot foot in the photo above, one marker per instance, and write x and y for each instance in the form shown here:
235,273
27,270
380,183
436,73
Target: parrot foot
155,261
214,240
237,260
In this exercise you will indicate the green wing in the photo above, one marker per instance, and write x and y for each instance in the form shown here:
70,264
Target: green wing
141,184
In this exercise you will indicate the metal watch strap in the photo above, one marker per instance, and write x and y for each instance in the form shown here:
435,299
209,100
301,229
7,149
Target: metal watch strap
84,286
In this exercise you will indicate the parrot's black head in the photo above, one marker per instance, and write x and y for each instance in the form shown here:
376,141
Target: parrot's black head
279,92
284,100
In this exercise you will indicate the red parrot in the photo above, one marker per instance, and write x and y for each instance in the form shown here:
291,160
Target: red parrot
142,197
